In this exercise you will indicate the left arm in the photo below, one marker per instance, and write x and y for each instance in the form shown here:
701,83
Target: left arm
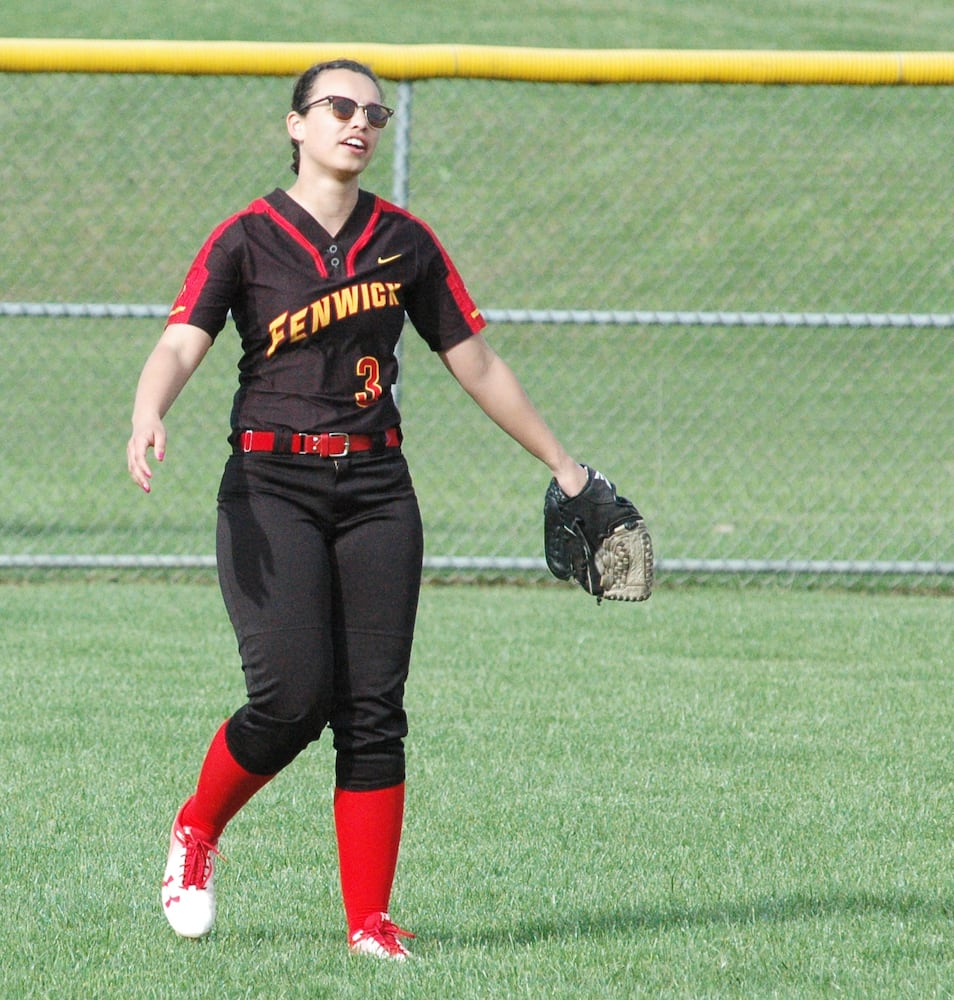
489,380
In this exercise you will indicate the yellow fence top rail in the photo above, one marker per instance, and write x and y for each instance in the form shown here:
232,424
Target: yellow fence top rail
412,62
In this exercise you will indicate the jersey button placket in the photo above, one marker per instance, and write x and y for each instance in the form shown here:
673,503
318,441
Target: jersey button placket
333,259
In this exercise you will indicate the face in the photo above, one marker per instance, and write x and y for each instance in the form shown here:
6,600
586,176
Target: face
341,148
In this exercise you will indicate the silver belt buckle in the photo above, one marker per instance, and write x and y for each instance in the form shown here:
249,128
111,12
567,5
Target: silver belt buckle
345,440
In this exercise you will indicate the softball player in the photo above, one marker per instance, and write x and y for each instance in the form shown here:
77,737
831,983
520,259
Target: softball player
319,541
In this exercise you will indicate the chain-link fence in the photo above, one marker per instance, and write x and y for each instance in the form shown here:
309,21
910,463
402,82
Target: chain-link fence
736,301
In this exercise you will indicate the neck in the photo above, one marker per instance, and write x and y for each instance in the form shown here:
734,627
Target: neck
330,202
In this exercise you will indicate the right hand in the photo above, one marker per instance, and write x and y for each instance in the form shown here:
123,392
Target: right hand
146,434
173,360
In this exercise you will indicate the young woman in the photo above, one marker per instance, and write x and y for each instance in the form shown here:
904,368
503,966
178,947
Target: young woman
319,541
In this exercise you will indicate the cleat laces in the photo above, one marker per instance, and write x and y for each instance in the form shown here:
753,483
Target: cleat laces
197,861
380,937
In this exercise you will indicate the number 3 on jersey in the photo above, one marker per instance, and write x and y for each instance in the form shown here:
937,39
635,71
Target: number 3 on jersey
368,369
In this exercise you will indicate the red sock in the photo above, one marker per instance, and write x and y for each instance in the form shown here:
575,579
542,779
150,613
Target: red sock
224,787
368,826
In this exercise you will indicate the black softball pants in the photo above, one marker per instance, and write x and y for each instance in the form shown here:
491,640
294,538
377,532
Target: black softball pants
320,566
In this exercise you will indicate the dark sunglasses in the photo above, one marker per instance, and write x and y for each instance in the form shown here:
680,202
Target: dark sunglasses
343,108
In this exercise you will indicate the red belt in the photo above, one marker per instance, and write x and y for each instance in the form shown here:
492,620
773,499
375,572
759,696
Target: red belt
330,445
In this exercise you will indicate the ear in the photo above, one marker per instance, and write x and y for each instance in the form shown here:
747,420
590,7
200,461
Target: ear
295,125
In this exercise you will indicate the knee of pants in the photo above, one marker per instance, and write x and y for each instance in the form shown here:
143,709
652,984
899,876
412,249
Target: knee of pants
372,769
289,680
368,719
264,744
369,744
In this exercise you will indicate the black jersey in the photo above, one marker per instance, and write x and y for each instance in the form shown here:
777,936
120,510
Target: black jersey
320,316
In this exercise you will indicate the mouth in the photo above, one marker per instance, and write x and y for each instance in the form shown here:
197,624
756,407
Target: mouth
353,142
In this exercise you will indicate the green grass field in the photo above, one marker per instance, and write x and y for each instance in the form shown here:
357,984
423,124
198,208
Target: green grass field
716,794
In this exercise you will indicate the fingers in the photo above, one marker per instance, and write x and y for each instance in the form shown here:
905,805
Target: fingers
137,447
138,466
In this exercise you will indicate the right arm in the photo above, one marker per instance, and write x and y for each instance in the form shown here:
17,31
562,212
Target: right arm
175,357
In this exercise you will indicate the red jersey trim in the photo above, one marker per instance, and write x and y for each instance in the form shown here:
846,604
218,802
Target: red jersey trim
261,205
198,274
468,308
362,241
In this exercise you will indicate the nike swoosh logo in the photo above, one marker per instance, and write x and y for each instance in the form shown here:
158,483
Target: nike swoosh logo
387,260
178,309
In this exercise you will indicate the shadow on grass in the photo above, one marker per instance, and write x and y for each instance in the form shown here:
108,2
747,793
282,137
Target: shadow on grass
612,923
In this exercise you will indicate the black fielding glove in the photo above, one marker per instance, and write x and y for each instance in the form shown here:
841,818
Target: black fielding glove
599,539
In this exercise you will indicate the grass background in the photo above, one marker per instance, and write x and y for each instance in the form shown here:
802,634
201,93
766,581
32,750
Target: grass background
810,24
762,443
722,793
756,444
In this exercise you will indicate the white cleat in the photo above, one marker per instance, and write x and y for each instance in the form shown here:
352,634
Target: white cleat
380,938
188,896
